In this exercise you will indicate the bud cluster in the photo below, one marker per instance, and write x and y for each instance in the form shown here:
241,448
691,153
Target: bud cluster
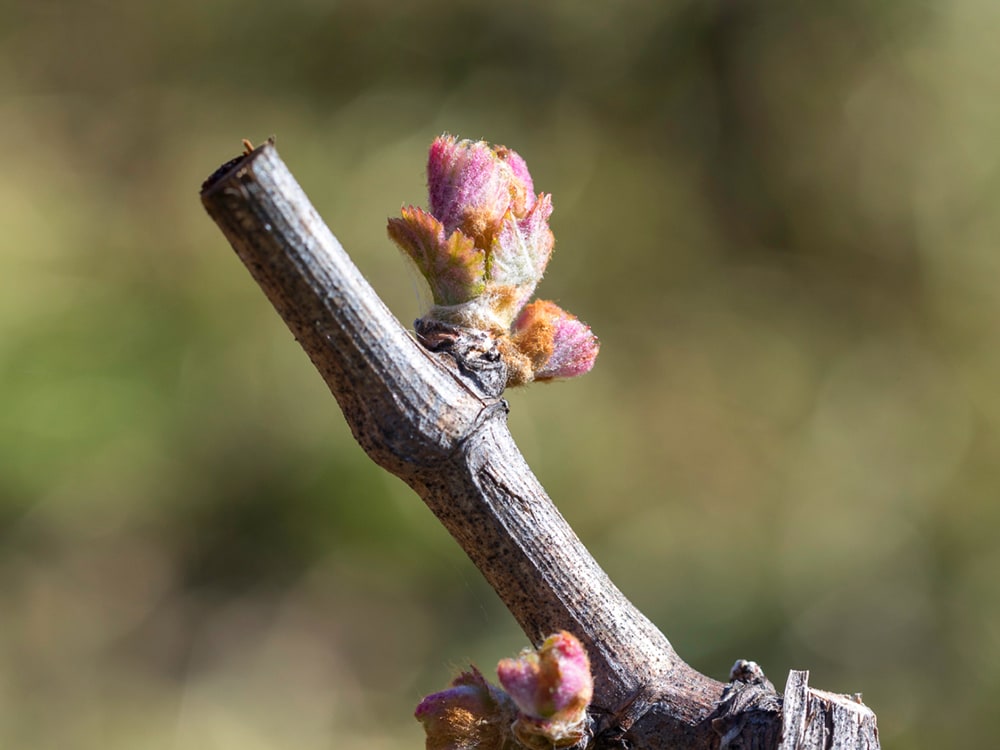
483,246
543,703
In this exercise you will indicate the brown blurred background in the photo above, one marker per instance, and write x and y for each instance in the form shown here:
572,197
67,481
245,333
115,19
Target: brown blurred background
780,217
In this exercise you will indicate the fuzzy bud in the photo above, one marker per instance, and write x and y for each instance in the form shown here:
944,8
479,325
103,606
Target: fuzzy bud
552,687
558,344
470,714
483,248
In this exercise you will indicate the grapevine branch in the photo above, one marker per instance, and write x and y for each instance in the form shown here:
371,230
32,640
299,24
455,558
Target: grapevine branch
429,419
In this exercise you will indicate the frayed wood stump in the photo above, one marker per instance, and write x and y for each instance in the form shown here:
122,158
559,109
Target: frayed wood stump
814,718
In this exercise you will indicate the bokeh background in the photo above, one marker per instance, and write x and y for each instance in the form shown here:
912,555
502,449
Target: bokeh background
780,217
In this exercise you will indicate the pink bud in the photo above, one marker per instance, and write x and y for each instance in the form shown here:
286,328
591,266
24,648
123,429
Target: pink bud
486,241
483,248
470,714
558,344
553,681
472,186
552,688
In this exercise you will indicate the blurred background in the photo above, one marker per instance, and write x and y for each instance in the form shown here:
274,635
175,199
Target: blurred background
779,217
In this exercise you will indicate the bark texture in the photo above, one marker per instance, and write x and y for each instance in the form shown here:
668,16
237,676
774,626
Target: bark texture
427,418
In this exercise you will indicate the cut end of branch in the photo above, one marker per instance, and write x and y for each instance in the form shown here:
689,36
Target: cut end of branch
815,718
249,153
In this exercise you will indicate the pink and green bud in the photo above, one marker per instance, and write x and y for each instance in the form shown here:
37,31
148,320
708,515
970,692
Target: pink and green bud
486,241
552,687
552,681
545,706
483,248
470,714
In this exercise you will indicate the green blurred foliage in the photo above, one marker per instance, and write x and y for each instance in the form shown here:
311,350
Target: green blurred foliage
779,217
